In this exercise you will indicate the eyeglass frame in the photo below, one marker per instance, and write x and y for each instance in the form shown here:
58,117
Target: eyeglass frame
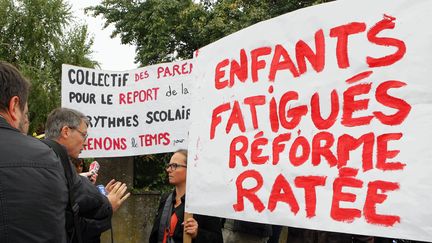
174,166
84,135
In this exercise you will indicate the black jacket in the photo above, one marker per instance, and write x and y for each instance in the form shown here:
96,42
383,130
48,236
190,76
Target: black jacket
33,190
94,219
252,228
209,228
95,210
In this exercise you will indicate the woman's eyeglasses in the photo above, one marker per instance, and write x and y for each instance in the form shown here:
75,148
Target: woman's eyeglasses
174,166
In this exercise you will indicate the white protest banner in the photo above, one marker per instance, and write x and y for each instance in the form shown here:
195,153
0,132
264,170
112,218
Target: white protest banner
318,119
141,111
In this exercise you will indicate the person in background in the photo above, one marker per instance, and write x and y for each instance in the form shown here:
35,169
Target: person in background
82,169
276,231
79,165
33,190
299,235
238,231
169,223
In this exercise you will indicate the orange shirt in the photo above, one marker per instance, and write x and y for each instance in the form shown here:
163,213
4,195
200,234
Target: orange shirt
173,224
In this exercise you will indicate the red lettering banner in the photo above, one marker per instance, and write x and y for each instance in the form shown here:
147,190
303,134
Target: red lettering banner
318,119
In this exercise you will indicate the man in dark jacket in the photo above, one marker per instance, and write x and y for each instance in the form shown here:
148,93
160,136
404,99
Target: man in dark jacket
33,190
68,128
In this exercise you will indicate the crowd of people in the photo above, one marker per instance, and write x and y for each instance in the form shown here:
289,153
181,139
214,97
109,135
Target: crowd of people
43,198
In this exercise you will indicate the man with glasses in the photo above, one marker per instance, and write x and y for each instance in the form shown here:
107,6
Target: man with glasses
68,128
33,192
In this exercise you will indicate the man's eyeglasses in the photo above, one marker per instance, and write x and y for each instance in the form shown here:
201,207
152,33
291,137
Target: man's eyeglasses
84,135
174,166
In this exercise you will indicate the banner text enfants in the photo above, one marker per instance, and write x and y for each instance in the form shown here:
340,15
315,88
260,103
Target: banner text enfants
376,150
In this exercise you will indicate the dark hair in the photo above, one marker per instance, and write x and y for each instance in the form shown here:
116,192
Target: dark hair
77,162
12,83
184,152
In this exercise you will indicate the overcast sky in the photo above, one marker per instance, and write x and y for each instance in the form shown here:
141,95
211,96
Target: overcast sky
110,53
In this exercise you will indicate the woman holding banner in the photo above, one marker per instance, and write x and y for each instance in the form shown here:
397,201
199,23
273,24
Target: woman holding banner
169,223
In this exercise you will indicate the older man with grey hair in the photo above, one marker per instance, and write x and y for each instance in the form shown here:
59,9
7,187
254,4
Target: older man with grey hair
68,128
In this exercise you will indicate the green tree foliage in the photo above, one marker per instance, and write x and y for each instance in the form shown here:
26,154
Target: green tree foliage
166,30
36,36
150,174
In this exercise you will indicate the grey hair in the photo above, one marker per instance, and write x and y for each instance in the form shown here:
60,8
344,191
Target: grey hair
60,117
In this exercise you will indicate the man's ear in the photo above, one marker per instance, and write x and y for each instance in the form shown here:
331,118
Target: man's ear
14,108
65,132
